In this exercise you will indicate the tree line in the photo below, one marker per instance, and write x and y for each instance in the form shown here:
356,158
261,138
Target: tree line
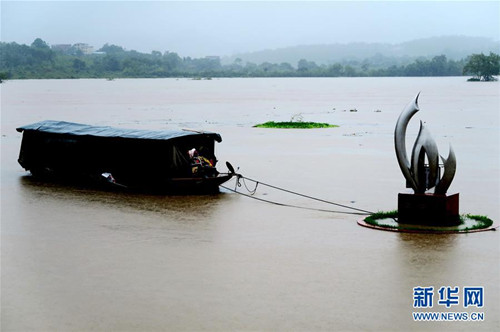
40,61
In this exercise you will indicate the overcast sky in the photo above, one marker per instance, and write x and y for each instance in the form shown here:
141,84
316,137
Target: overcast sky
203,28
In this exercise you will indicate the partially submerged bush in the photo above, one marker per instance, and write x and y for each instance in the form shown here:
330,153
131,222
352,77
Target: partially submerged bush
294,125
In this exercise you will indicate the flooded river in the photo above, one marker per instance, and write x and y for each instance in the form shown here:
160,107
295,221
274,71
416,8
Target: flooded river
79,259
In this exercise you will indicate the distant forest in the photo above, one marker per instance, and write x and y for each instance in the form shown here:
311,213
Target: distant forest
39,61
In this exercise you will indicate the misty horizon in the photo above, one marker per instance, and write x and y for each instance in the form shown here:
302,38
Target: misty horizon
198,29
96,48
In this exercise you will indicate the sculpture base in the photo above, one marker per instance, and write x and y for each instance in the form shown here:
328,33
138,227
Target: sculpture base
428,209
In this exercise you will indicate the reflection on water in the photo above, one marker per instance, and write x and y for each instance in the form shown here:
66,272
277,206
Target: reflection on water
135,216
427,254
427,242
194,205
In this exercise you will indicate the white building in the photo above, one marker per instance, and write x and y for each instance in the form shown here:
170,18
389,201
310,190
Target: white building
85,48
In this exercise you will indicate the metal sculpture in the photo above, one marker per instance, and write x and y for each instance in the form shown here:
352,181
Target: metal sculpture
419,175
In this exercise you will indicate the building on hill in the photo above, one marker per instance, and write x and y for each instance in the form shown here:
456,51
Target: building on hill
84,48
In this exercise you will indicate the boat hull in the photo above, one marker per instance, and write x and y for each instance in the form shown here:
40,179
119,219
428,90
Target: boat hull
196,185
173,186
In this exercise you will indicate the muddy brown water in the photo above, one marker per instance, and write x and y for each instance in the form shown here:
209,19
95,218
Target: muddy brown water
75,258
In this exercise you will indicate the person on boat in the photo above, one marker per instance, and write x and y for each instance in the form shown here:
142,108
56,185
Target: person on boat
199,164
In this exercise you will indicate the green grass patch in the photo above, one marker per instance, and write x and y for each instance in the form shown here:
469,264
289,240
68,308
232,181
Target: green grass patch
294,125
481,221
375,219
468,222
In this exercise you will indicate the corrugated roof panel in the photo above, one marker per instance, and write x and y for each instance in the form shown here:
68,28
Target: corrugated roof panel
70,128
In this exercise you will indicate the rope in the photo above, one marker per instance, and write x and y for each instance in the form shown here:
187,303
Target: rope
252,192
290,205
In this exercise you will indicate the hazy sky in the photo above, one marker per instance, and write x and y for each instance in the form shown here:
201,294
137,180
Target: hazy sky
226,27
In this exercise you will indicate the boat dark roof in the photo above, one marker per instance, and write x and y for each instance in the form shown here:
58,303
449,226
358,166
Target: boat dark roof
70,128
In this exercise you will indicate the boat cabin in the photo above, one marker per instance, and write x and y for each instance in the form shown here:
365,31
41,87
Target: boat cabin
165,160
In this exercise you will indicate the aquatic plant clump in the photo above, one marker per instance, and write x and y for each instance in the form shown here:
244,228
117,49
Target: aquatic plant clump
294,125
374,218
388,220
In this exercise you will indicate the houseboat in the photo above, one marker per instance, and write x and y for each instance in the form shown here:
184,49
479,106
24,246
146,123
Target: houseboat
164,161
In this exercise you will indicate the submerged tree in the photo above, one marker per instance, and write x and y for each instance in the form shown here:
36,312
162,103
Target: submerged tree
3,76
483,67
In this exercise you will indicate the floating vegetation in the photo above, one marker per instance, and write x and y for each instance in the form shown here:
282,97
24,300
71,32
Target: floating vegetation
296,122
294,125
356,134
388,220
481,221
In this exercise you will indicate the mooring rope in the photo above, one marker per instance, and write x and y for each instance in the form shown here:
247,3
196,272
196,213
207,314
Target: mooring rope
252,192
238,184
